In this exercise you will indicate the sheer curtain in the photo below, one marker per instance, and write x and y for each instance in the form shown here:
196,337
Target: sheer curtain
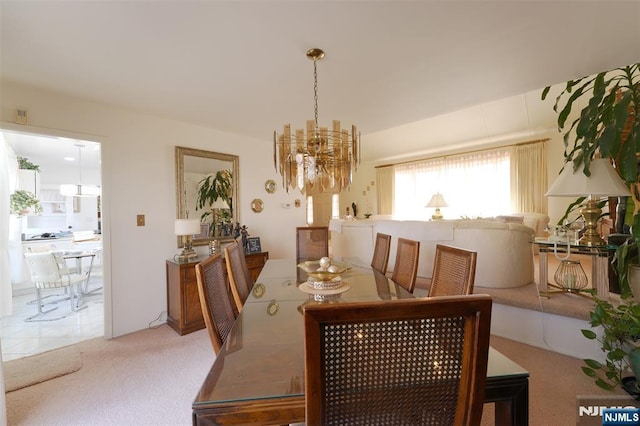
6,165
529,168
473,185
384,190
8,170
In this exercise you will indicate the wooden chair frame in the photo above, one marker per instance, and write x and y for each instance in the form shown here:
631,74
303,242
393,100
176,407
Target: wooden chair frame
355,373
218,309
302,250
380,259
405,270
240,279
454,271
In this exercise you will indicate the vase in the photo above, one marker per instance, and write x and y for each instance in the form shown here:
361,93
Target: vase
633,278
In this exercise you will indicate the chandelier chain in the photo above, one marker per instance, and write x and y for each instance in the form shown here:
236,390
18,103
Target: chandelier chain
315,91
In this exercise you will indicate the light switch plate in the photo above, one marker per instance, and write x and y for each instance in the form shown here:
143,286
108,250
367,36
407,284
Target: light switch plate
140,220
22,116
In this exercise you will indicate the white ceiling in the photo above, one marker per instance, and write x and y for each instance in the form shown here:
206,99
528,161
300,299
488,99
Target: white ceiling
397,69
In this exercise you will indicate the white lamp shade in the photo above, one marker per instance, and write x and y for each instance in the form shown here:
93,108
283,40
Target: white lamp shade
71,190
187,227
220,204
437,200
603,182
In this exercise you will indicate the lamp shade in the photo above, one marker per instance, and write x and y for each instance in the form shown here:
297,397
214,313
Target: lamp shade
187,227
603,182
437,200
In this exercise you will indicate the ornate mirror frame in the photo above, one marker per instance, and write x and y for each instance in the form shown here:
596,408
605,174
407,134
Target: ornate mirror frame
192,167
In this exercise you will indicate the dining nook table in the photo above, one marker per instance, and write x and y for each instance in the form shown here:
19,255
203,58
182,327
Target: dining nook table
258,376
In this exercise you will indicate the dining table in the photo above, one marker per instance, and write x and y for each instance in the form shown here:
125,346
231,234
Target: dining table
258,376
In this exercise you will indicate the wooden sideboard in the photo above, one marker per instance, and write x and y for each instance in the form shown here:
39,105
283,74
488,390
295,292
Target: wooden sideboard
184,313
255,263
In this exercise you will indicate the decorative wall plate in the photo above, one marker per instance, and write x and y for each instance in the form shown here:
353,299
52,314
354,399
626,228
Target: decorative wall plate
258,290
272,308
270,186
257,205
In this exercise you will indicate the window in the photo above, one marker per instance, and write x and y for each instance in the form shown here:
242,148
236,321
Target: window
473,185
310,210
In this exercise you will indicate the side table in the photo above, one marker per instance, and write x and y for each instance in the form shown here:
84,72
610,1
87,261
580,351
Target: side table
601,256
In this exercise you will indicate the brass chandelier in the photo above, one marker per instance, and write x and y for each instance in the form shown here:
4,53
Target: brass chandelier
318,159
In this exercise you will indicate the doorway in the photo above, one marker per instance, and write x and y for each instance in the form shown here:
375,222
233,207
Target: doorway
66,224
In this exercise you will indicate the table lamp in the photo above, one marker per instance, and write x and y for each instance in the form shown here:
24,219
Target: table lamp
603,182
437,201
186,229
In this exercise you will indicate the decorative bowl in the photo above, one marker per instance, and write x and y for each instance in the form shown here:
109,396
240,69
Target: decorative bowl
313,269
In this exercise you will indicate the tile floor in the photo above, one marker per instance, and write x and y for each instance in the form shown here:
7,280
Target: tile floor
21,338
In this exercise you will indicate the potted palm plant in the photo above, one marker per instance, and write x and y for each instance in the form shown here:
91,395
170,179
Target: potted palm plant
609,127
213,187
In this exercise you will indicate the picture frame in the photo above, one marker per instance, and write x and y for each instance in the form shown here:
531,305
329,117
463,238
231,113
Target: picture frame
204,230
254,245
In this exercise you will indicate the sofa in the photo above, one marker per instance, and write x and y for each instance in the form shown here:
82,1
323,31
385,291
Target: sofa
504,244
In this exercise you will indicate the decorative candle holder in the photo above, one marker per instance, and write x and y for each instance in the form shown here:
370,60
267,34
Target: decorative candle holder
570,276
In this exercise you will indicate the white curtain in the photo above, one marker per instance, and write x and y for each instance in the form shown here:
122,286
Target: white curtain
529,167
8,171
473,185
384,190
7,164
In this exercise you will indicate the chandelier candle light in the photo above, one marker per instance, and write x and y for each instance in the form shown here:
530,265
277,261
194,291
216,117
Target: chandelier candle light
318,159
437,201
603,182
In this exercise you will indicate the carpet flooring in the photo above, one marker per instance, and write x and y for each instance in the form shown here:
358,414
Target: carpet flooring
151,377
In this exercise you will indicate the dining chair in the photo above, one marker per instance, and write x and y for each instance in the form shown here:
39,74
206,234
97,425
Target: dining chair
454,271
240,279
409,362
47,273
218,309
380,259
405,270
312,242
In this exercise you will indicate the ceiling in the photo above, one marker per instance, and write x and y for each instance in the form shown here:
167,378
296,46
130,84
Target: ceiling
415,76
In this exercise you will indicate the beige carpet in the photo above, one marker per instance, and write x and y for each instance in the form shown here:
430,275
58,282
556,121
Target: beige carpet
35,369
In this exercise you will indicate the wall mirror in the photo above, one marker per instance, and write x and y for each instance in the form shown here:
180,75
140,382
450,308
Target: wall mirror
207,189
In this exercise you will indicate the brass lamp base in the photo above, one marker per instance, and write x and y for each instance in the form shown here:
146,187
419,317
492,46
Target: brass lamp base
437,215
186,256
591,213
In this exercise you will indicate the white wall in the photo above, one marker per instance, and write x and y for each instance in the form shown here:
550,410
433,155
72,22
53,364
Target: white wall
138,169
